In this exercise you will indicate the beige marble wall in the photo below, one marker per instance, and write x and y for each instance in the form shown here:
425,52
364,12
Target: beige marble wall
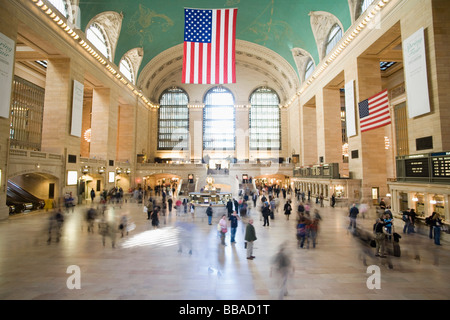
9,28
308,134
126,138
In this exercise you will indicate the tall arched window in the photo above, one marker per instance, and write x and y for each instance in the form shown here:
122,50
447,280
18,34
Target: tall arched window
265,120
363,6
333,38
173,120
309,69
97,36
61,5
219,120
126,69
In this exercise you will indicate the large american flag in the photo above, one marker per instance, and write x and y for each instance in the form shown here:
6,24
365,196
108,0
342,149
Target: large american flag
374,112
209,46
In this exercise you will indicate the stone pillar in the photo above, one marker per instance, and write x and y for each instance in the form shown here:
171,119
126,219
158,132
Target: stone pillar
57,119
126,134
104,121
242,133
196,133
308,134
329,131
8,26
105,116
372,148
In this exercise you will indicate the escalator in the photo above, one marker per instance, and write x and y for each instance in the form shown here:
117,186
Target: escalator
20,200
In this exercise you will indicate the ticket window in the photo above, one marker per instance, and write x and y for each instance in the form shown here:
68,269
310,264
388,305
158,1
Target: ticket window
438,205
420,204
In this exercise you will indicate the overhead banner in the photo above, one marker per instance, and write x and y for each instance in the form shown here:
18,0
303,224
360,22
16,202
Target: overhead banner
7,49
77,108
415,64
350,108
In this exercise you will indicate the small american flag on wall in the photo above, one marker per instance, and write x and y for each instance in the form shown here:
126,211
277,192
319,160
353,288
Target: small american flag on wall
209,46
374,112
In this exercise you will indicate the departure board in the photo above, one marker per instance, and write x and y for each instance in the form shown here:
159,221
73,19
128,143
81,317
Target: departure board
417,167
440,163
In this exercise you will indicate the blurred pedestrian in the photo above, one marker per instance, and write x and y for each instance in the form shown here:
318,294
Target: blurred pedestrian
437,225
223,229
209,213
123,226
56,221
92,195
234,218
155,217
107,229
352,217
283,265
313,229
287,209
302,226
91,215
266,213
380,238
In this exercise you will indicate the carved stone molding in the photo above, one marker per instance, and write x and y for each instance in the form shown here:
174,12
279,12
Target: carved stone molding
111,22
321,24
135,57
301,58
161,71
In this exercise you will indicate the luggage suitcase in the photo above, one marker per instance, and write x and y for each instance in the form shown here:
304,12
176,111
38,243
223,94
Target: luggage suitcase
396,249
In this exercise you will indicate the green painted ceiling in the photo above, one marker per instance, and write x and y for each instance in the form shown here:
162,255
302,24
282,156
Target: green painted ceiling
157,25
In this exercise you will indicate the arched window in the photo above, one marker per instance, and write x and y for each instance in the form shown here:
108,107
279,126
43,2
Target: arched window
126,69
309,69
333,38
265,120
61,5
219,120
363,6
97,36
173,120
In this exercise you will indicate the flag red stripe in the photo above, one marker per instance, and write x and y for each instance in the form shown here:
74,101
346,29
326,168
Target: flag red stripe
184,61
218,48
191,79
208,64
375,117
200,63
233,53
370,128
226,46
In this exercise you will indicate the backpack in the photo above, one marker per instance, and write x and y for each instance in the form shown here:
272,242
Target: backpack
301,229
405,217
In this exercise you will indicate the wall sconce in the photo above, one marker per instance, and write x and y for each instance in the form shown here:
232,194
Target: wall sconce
433,200
128,171
414,198
118,170
85,169
101,170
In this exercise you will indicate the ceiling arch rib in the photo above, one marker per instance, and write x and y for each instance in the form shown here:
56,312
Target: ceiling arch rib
166,68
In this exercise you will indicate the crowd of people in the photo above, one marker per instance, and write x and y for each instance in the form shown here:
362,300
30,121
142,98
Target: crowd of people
246,209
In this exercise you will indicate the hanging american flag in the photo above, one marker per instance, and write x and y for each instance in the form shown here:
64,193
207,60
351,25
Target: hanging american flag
209,46
374,112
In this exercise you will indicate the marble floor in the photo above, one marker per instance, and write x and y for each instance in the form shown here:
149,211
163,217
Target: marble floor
147,263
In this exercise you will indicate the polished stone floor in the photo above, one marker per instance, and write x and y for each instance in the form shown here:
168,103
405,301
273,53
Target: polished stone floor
147,263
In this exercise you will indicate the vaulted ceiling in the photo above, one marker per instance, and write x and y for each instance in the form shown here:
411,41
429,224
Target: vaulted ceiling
278,25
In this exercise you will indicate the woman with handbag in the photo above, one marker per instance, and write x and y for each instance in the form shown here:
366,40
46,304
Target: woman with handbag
223,229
